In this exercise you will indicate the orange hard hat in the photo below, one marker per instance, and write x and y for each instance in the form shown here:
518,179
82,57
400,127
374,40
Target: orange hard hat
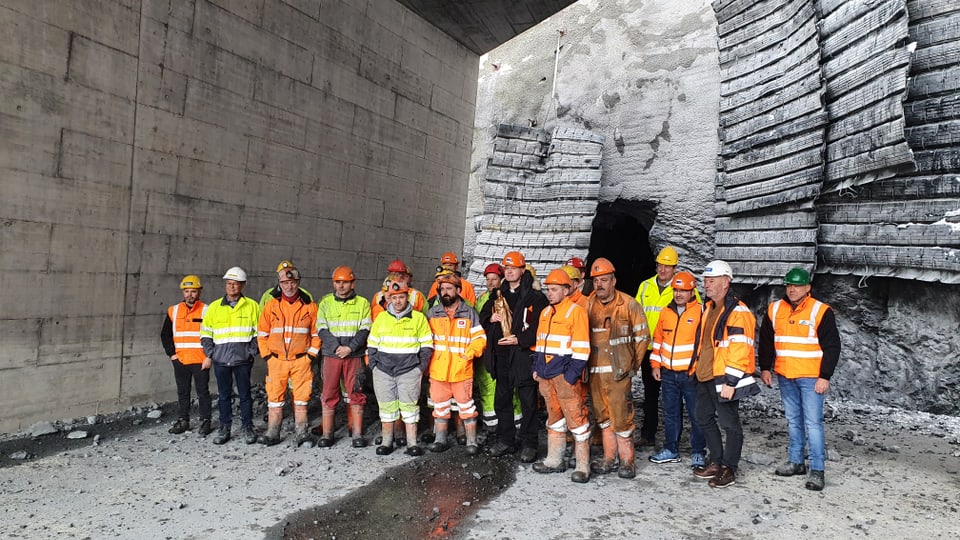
514,259
684,281
343,273
558,277
447,276
398,266
493,268
601,267
449,258
396,287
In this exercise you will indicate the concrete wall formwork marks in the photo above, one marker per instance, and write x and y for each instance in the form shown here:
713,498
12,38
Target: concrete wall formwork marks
144,140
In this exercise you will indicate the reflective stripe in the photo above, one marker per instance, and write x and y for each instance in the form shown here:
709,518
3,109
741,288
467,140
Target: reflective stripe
602,369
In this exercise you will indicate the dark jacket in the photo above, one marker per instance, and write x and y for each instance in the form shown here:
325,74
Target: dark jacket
525,303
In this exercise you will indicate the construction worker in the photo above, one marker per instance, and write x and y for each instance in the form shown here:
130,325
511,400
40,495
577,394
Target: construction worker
492,278
799,340
723,363
508,357
654,294
562,350
673,343
288,343
343,323
180,337
399,347
458,338
585,287
618,342
397,272
275,290
228,335
450,262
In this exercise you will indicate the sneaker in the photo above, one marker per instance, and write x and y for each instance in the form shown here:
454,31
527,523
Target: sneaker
698,461
815,481
665,456
181,425
249,436
707,472
726,478
528,455
223,435
791,469
205,428
502,449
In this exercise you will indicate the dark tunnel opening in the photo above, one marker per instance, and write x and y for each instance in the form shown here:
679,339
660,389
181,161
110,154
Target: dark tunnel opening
621,233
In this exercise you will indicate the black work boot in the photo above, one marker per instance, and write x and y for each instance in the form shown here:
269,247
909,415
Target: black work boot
815,481
223,435
181,425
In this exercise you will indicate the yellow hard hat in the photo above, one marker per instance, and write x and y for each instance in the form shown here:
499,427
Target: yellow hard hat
191,282
572,271
284,265
668,256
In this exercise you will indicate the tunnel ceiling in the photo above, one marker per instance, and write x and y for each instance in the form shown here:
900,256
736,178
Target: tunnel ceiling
483,25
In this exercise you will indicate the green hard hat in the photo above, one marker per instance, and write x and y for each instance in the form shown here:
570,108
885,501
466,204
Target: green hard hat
797,276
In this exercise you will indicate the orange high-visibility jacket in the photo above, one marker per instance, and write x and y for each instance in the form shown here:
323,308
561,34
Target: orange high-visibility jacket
186,331
453,336
675,337
732,338
563,341
286,329
795,338
618,335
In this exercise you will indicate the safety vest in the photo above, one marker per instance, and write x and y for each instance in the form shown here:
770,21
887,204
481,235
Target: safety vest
453,336
186,331
795,337
675,337
653,302
286,329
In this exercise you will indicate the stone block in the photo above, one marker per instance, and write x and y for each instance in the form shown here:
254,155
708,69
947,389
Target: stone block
285,228
341,206
104,68
20,344
385,130
65,340
97,113
209,63
68,390
181,215
29,143
334,50
162,88
291,24
349,148
353,87
33,44
26,245
445,153
421,34
86,18
34,197
86,157
240,114
418,61
209,258
271,192
151,291
302,99
406,166
281,161
147,252
230,32
210,181
388,74
250,10
390,15
107,249
334,174
164,132
447,103
155,171
347,19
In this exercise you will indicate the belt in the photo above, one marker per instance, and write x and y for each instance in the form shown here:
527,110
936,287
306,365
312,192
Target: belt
602,369
275,355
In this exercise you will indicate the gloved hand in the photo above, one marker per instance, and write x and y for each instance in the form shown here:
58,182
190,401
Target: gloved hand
361,379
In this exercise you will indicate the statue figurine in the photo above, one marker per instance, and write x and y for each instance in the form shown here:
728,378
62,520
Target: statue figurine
501,307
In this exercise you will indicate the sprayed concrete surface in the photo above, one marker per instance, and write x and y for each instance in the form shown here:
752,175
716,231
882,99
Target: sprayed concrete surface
890,474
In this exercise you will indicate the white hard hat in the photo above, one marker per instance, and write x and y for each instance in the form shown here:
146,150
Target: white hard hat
236,273
718,268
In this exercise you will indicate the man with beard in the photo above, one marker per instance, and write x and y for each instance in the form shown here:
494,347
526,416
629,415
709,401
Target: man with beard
180,337
458,338
509,357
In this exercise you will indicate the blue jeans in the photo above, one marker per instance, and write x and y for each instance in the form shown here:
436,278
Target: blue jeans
225,378
803,408
678,389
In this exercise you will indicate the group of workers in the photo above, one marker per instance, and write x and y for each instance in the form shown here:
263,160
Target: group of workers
520,346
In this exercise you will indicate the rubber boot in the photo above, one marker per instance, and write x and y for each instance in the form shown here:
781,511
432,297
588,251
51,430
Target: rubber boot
356,426
301,436
327,440
412,448
470,430
386,439
440,441
274,419
628,467
582,473
399,430
609,461
554,462
461,431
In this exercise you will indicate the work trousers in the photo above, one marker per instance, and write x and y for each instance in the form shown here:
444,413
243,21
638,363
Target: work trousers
335,369
714,415
183,374
651,400
297,373
566,409
612,403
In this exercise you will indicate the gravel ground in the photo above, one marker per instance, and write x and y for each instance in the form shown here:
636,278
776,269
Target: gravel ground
890,474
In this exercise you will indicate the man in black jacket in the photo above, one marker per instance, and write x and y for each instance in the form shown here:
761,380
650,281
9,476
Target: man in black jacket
509,358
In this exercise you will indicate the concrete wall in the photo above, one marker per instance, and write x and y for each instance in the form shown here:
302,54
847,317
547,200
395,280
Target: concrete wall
141,140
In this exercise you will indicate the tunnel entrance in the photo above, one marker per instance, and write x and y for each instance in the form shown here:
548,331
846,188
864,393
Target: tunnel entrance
621,233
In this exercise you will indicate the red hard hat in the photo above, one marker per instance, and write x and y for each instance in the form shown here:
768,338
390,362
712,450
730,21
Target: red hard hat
398,266
577,263
493,268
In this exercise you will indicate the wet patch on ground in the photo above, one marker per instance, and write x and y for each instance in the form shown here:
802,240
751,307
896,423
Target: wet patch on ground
429,497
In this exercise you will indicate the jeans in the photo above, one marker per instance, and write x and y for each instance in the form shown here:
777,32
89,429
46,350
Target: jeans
710,412
225,378
184,374
803,408
679,389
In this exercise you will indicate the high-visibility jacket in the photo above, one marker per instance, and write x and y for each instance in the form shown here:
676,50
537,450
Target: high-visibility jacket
467,292
229,334
676,336
618,335
732,339
286,329
398,344
804,340
563,342
580,299
653,301
453,336
344,321
378,304
181,332
274,291
482,301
